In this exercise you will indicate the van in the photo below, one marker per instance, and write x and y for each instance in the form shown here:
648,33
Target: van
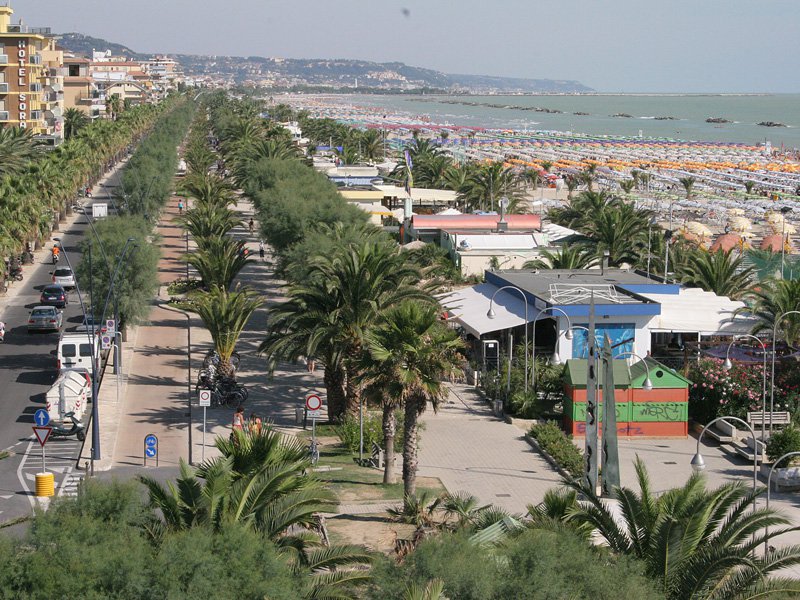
75,352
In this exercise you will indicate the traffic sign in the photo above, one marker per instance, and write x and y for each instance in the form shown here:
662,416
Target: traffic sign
150,452
205,397
105,341
150,448
313,402
111,325
41,417
42,434
151,441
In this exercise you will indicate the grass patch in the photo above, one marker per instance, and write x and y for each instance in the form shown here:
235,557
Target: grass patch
353,484
4,454
374,531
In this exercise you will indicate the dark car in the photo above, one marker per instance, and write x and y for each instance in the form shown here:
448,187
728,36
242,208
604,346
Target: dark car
54,295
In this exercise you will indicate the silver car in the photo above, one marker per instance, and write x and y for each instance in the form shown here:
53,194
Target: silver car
64,277
45,318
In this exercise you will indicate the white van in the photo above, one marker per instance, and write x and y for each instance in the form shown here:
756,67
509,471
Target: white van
75,352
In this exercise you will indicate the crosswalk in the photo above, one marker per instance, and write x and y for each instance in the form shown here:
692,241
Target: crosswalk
60,457
69,487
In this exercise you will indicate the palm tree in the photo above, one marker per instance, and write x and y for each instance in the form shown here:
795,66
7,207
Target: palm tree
17,148
208,189
719,272
567,257
619,232
419,351
772,299
748,186
688,185
627,185
572,185
74,120
488,183
209,221
225,314
329,314
696,543
218,260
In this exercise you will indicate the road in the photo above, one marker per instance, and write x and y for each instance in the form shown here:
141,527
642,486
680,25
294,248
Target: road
28,369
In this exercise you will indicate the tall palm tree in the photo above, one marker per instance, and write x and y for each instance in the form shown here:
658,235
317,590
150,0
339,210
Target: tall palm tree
415,349
74,120
696,543
209,221
208,189
618,232
329,315
17,148
488,183
719,272
627,185
772,299
224,314
567,257
218,260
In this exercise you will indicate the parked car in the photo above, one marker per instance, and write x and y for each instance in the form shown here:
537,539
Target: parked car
45,318
88,321
54,295
64,277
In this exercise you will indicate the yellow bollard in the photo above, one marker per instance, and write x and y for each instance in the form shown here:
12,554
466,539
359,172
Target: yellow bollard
45,485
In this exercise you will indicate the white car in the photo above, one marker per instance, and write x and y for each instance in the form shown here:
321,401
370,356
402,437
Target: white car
64,277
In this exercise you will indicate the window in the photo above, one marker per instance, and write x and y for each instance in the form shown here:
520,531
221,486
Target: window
86,349
617,332
74,70
68,350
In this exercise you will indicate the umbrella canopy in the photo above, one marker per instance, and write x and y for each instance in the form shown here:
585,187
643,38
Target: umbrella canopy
740,224
698,228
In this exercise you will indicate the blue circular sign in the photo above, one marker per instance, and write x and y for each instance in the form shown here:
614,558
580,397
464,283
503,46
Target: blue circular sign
41,417
151,441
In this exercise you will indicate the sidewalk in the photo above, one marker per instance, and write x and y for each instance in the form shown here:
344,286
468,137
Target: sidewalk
473,451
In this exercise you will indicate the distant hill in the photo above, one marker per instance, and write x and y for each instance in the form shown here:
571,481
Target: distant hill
341,73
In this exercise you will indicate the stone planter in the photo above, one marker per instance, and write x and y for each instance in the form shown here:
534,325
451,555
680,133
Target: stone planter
728,429
783,480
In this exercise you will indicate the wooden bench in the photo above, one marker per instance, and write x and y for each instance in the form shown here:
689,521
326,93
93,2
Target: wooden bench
762,420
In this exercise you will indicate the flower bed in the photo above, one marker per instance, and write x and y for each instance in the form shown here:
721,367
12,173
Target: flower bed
556,443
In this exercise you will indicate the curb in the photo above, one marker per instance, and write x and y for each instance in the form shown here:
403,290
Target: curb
535,445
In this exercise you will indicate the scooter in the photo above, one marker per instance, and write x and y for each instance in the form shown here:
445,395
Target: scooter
77,428
2,332
15,273
55,258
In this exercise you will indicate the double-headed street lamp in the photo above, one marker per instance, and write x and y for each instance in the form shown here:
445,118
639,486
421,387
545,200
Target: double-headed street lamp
556,359
728,365
769,490
491,314
775,324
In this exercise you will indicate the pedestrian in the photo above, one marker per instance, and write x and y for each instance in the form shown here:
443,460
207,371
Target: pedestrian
88,192
261,249
180,206
238,421
255,424
251,225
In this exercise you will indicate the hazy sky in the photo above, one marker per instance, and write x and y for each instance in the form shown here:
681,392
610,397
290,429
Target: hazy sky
610,45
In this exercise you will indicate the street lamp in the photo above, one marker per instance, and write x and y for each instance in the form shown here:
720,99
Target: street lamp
784,211
586,329
556,358
491,314
93,343
728,365
772,374
769,489
647,386
698,464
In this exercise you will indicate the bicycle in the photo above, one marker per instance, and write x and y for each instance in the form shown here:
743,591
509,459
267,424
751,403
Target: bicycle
313,449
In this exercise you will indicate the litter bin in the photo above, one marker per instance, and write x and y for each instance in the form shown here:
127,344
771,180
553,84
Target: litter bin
299,413
498,408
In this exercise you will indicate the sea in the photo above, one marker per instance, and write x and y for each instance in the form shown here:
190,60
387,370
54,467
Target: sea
674,116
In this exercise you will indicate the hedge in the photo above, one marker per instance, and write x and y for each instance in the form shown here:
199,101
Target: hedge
556,443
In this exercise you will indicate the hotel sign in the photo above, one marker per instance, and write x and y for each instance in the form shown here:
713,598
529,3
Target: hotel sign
22,74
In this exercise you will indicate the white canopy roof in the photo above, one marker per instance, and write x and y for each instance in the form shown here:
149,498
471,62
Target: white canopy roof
418,194
470,305
695,310
506,241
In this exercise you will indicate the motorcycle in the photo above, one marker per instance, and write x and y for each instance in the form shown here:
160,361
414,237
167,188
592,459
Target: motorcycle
15,273
77,428
55,258
2,332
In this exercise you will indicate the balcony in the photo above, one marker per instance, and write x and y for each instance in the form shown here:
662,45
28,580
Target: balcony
3,88
4,115
36,59
36,87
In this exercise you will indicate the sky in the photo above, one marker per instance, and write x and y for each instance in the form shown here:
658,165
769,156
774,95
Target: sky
656,46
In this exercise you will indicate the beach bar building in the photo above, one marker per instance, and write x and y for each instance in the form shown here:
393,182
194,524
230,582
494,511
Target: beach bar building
660,412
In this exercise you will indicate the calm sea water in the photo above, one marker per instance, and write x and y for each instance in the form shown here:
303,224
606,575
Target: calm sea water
689,112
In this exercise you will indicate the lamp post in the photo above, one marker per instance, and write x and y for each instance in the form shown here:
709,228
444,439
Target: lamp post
93,343
778,319
728,365
698,464
647,386
667,238
556,357
586,329
769,490
784,211
491,314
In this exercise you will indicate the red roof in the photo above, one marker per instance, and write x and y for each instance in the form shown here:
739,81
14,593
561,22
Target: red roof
517,222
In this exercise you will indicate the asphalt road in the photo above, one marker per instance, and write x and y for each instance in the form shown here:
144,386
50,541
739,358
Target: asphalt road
27,370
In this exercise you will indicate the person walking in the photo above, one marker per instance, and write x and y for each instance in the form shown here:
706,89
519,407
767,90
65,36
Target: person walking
255,424
261,249
251,225
180,207
238,421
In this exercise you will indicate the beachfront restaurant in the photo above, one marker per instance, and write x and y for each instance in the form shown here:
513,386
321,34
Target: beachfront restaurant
637,313
427,228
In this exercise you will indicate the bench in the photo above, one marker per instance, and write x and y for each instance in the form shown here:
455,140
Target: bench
778,419
376,455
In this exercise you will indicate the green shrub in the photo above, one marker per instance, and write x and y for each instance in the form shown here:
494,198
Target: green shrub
349,431
181,286
781,442
556,443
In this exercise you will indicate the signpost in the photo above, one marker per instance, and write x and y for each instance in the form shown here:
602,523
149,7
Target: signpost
41,417
314,411
204,396
111,326
105,341
150,448
42,432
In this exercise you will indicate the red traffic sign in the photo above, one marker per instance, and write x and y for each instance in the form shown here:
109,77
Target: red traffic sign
313,402
42,434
